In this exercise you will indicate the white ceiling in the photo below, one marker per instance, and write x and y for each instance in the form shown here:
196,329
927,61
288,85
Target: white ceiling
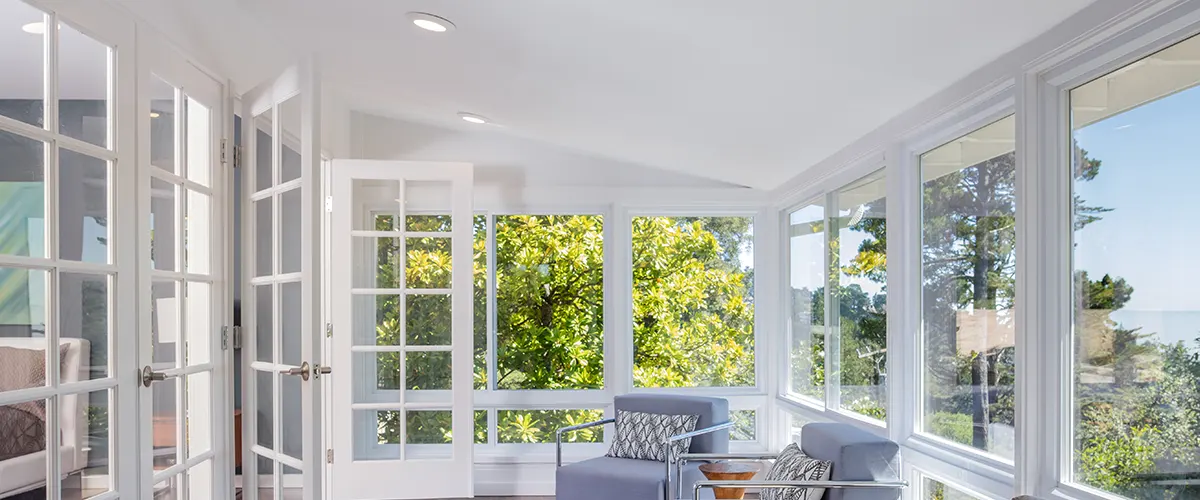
749,93
746,92
84,61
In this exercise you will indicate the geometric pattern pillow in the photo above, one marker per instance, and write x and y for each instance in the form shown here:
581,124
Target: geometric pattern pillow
21,432
793,465
640,436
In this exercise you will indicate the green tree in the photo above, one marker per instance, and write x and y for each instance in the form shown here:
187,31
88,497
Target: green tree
693,312
549,302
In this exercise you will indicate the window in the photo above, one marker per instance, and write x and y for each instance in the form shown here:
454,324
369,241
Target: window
1136,359
858,296
806,301
549,302
744,425
693,301
968,263
932,489
838,257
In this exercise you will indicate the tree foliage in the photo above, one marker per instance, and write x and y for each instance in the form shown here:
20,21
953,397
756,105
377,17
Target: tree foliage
693,321
693,313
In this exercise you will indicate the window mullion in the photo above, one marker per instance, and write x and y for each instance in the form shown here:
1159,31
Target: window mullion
832,318
491,308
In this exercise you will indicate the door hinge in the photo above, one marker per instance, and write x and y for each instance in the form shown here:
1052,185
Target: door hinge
328,203
224,338
328,330
237,337
329,456
224,150
237,157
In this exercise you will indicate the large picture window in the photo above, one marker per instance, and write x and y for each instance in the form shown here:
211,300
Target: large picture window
968,261
693,301
1136,362
549,302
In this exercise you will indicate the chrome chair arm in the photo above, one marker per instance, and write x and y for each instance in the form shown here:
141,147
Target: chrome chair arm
797,484
728,457
679,437
558,436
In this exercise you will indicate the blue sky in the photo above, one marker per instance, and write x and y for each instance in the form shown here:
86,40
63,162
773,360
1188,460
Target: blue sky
1149,175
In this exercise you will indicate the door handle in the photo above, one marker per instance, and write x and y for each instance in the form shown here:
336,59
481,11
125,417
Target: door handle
150,376
301,370
319,370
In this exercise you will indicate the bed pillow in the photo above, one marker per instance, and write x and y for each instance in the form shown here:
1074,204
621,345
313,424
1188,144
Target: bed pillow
640,436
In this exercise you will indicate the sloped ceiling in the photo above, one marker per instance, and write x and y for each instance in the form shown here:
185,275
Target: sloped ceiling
503,160
749,93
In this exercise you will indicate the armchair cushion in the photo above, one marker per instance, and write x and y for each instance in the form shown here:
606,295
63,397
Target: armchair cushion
608,478
793,465
857,455
640,436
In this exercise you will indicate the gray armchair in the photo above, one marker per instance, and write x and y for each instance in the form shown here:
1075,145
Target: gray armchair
865,466
606,478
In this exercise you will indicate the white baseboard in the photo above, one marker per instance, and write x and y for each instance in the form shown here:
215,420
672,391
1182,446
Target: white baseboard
514,479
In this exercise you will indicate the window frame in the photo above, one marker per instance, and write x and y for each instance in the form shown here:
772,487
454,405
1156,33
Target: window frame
996,105
828,408
626,329
1047,140
618,211
755,398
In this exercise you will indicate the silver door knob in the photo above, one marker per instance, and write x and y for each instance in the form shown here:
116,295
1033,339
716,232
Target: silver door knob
301,370
150,376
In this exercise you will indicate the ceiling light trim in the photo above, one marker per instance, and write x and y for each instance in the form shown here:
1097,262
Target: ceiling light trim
430,22
474,118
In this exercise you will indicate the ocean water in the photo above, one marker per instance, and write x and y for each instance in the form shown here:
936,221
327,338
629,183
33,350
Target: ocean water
1166,327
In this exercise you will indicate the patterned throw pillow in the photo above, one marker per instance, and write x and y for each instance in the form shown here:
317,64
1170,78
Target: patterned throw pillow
23,425
794,465
640,436
21,432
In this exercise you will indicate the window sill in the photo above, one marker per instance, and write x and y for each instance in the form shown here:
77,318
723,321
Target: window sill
1070,491
966,458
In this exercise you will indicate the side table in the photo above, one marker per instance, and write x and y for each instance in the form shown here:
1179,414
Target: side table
728,471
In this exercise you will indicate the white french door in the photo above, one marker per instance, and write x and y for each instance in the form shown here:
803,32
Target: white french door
281,296
68,270
183,196
401,301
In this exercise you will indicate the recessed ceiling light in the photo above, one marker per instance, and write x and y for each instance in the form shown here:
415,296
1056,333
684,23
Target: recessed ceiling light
37,28
430,22
473,118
